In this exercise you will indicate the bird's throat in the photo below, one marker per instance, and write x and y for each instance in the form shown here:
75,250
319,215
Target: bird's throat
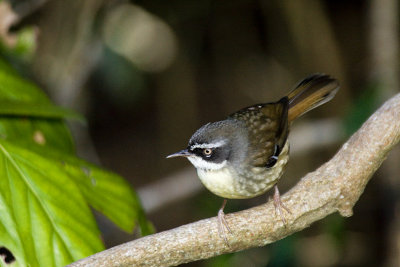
200,163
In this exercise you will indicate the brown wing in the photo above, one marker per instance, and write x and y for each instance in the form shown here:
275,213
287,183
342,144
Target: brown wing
267,125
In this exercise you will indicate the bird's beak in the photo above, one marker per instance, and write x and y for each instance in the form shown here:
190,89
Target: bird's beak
182,153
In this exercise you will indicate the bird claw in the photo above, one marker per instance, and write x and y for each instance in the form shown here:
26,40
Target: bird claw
279,205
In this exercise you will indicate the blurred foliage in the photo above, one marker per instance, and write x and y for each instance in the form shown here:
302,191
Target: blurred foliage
45,191
19,44
335,226
25,45
280,253
362,107
128,82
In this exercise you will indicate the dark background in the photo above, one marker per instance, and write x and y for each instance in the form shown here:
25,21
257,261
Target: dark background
147,74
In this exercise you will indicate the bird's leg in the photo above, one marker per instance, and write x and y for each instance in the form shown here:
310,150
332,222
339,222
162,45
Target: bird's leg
279,205
222,224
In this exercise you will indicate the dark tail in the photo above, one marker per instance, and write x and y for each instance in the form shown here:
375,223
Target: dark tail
310,93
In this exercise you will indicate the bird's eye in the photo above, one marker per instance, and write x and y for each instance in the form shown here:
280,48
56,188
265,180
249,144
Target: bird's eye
207,152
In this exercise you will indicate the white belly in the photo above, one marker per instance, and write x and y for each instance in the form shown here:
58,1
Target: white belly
226,183
221,182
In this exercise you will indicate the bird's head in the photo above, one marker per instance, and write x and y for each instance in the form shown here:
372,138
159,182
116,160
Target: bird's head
214,145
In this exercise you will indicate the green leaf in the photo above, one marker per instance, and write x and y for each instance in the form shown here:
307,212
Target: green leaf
45,219
14,88
41,110
45,189
105,191
30,131
146,227
37,134
101,187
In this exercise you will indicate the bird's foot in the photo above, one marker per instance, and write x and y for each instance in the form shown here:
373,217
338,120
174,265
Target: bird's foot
222,224
279,205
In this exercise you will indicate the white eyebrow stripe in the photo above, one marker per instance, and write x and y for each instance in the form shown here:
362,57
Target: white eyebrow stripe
212,145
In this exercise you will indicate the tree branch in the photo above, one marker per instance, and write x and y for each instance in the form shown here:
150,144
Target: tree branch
335,186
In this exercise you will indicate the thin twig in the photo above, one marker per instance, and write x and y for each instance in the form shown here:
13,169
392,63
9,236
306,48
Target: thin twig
335,186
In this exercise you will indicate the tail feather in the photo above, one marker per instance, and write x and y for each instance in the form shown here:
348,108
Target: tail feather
310,93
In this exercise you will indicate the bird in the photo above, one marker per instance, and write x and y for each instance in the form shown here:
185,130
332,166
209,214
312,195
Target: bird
245,155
